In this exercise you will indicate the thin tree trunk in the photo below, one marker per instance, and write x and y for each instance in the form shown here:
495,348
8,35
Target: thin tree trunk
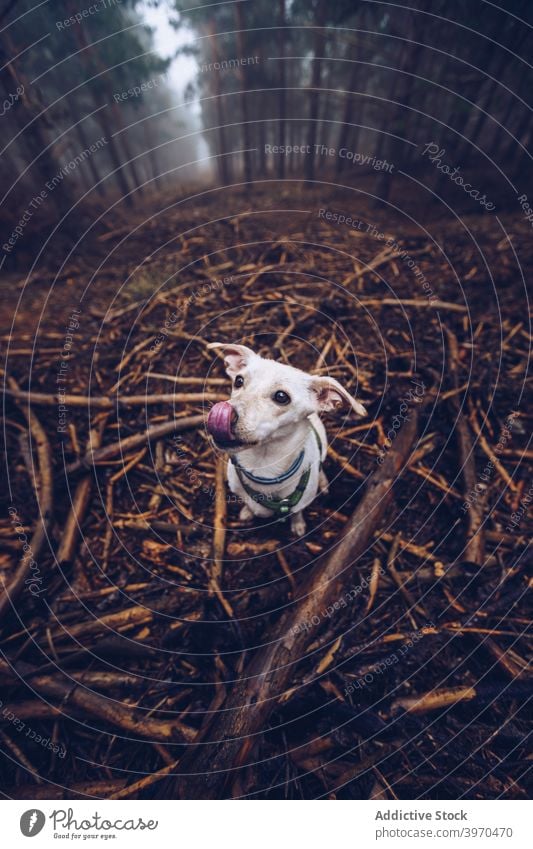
282,95
314,93
482,117
243,76
223,162
85,143
509,143
404,84
261,144
151,151
43,161
87,50
116,159
125,144
514,36
349,109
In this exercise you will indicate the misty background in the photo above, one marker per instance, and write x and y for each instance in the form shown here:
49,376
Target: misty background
176,93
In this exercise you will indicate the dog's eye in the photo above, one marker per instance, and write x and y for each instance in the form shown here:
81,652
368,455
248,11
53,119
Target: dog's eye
238,382
281,397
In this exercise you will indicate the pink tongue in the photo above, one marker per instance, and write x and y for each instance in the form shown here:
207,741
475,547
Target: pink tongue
219,421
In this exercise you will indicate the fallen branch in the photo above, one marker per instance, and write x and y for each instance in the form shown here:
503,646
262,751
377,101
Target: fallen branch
121,620
142,783
413,302
103,403
434,700
80,503
232,728
475,543
44,495
123,445
447,697
219,534
143,526
128,719
84,789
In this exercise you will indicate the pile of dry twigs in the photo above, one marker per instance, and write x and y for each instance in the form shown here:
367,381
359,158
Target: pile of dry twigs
384,655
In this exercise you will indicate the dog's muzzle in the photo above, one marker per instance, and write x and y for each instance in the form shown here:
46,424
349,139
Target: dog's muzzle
222,417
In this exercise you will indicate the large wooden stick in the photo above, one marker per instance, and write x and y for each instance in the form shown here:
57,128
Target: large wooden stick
80,790
219,534
127,617
29,567
229,734
80,503
475,543
419,303
121,715
142,783
104,403
121,446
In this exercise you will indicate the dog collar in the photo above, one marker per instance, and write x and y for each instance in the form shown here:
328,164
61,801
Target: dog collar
281,506
295,465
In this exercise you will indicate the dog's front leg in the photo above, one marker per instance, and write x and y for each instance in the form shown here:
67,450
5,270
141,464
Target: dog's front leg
250,508
246,514
298,524
323,483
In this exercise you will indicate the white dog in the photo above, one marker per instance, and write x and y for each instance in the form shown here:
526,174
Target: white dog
271,430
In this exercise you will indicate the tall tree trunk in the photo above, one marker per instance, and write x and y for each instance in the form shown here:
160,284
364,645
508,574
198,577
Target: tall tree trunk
261,144
349,109
403,92
125,144
328,112
314,93
151,151
510,146
282,94
114,152
506,142
87,51
85,143
294,119
223,161
385,146
43,161
505,32
521,158
243,77
483,113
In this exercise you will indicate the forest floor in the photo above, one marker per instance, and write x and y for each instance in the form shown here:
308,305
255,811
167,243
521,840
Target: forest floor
418,687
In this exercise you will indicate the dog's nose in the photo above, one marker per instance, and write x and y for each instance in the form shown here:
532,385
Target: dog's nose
222,417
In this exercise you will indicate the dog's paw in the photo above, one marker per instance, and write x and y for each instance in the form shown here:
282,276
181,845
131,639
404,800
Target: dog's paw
246,514
323,483
298,524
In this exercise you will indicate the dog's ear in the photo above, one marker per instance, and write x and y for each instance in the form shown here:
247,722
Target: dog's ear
331,395
236,357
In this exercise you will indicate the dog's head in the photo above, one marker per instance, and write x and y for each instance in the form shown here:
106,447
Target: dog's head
268,399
